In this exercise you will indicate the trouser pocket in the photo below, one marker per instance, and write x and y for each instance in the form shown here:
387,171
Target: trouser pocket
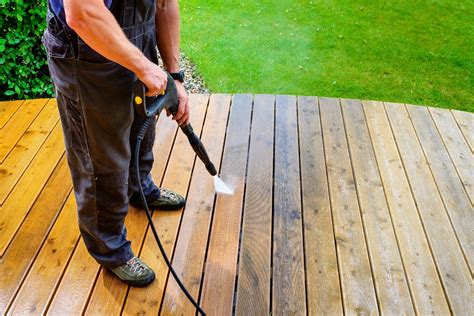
112,201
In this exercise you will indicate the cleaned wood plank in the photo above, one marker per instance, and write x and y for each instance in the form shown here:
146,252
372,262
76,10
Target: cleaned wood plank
288,290
452,267
26,148
391,285
18,124
21,253
15,208
223,245
75,286
253,283
73,293
356,277
190,247
466,124
7,109
427,292
178,174
320,248
46,271
458,149
456,201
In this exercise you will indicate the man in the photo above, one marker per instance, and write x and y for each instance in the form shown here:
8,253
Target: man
96,50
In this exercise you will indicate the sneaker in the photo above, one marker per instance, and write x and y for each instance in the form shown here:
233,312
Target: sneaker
134,273
168,200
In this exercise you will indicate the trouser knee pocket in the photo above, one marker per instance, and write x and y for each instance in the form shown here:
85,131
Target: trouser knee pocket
112,201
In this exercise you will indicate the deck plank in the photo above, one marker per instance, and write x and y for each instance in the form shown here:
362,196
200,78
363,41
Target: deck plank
26,148
178,175
7,109
192,239
457,147
221,262
253,283
18,124
22,251
320,249
466,124
15,208
392,288
288,288
455,198
46,271
452,267
356,277
428,297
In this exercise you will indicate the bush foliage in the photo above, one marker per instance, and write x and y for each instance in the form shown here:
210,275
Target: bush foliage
23,67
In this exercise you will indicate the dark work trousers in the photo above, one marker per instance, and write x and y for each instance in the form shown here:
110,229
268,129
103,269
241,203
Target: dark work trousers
100,125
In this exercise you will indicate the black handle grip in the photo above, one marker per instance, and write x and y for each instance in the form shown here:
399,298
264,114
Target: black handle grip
199,149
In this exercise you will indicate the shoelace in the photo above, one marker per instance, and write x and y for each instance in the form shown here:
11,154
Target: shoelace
168,194
136,266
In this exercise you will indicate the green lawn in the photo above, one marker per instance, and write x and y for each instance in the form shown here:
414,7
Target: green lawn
419,52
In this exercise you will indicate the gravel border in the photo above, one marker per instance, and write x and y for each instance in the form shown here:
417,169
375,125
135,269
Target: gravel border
193,82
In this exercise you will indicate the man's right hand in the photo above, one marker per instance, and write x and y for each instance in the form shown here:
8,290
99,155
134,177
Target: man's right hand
153,77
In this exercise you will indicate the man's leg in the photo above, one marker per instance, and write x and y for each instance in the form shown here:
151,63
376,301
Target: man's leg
101,196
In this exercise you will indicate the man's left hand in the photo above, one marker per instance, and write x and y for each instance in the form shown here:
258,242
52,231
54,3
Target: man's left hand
182,116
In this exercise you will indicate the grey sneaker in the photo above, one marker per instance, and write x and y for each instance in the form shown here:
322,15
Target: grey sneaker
134,272
168,200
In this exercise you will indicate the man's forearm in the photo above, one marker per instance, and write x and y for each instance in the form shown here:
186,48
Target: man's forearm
96,25
168,33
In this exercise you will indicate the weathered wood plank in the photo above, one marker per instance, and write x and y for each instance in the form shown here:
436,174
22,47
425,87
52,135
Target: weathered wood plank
18,124
26,148
466,124
46,271
191,244
288,290
458,149
223,245
21,253
392,289
426,289
18,203
253,286
81,288
452,267
356,277
7,109
455,198
320,248
178,174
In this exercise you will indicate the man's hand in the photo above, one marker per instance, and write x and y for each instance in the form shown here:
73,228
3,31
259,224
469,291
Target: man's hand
154,78
182,116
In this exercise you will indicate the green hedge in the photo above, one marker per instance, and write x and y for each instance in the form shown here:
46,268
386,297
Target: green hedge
23,67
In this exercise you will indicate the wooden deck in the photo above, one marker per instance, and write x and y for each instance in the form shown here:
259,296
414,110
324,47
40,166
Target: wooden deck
340,206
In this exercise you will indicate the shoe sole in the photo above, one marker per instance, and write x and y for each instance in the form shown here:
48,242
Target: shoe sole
163,207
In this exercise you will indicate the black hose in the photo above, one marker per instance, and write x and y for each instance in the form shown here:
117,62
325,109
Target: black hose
140,136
